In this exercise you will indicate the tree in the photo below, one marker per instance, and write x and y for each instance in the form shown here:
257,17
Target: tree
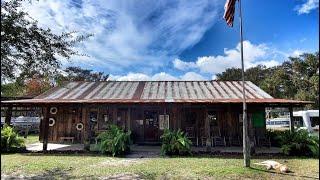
231,74
37,85
279,84
28,48
296,78
12,89
79,74
254,74
257,74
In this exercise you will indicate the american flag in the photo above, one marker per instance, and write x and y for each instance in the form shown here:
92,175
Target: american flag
229,9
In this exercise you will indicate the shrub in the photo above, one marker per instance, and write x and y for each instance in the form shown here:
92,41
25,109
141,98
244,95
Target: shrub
299,143
10,140
114,141
175,143
273,135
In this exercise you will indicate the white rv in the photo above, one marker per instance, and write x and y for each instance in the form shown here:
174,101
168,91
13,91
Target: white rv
310,119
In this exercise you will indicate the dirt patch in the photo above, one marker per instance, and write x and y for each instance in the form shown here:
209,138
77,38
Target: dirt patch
124,177
121,162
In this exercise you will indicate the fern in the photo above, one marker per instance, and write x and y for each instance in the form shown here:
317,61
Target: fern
10,141
114,141
175,143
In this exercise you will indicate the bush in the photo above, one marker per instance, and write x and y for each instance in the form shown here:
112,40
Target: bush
114,141
299,143
10,140
273,135
175,143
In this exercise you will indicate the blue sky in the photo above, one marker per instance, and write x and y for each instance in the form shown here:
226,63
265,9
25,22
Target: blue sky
176,39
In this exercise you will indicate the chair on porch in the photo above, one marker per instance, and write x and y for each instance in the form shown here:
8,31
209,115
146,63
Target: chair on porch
234,141
216,137
190,133
202,137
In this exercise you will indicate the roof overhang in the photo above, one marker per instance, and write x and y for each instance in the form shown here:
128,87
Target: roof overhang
269,102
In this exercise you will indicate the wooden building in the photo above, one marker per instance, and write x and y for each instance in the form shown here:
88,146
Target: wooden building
208,111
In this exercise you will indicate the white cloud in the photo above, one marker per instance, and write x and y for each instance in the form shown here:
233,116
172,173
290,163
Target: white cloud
182,65
296,53
192,76
140,34
162,76
253,55
307,7
131,77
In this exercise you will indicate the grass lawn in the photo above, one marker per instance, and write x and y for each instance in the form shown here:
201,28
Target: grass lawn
95,166
32,138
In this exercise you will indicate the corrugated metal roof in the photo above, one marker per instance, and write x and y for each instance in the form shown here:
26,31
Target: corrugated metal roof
154,91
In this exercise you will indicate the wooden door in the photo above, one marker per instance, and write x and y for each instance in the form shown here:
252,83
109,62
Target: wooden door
151,126
122,116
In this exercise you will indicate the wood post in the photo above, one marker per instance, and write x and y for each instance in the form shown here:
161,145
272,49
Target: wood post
291,119
45,127
8,115
86,129
114,115
129,119
207,130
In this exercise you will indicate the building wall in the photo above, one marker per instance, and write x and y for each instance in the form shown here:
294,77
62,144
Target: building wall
143,120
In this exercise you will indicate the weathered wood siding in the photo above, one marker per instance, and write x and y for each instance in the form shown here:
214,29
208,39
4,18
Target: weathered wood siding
133,117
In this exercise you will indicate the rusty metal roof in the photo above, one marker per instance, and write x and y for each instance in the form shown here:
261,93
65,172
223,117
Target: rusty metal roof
154,91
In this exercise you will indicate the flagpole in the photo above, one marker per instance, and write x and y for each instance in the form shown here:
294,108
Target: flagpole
246,144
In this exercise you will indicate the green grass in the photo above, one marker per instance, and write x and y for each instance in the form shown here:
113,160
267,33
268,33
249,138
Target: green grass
95,166
32,138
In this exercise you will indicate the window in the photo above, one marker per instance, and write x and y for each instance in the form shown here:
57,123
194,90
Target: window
163,122
314,121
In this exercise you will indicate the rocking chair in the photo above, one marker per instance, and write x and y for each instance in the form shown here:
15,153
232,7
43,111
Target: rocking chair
217,139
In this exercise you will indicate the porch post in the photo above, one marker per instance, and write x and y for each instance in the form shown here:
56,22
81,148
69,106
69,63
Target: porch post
8,115
45,127
291,119
85,122
129,119
207,130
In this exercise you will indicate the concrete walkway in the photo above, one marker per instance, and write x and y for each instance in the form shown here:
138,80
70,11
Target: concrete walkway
56,147
150,151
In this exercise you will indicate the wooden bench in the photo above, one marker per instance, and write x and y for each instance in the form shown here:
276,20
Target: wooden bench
62,139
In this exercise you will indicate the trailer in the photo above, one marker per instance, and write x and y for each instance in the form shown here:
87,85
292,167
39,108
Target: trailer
310,119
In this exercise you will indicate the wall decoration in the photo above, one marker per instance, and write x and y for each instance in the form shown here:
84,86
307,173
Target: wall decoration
52,121
93,115
53,110
79,126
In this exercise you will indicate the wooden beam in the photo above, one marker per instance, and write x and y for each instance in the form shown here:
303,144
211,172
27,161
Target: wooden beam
45,127
129,119
114,115
207,129
291,119
8,115
86,125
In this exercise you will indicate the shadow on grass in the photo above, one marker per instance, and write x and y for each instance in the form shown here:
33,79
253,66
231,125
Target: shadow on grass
284,174
138,155
56,173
